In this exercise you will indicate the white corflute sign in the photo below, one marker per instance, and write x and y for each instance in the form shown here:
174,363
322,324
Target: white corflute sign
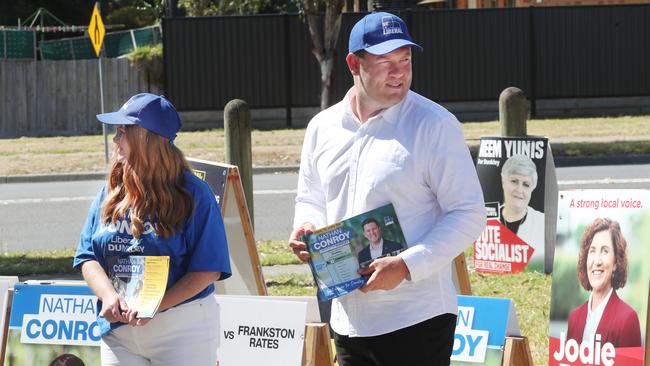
259,331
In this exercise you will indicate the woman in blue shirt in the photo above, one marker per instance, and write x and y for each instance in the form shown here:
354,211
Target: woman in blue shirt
152,205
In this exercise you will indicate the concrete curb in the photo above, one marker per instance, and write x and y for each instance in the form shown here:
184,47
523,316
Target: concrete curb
560,161
68,177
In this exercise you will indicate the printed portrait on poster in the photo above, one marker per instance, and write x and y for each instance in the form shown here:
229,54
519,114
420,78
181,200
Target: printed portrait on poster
512,171
600,283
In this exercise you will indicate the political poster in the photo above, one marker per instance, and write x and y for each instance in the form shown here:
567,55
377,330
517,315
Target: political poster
49,321
337,251
482,326
601,278
260,331
216,175
512,173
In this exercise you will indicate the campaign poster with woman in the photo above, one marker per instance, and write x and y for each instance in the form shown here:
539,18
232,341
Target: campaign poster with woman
512,173
600,278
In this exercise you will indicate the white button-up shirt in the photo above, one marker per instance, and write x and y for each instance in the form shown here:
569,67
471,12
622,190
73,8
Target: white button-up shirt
412,154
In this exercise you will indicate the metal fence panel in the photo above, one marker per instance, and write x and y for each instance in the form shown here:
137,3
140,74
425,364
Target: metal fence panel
592,51
211,61
469,55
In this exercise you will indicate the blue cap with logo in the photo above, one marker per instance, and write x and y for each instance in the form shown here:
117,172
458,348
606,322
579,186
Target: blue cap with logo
150,111
380,33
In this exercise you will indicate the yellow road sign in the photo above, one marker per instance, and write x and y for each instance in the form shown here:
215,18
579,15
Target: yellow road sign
96,30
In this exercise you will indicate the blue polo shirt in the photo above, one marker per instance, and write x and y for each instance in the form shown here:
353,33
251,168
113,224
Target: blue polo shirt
199,246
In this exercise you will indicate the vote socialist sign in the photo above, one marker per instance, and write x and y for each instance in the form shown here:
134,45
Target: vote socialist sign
499,250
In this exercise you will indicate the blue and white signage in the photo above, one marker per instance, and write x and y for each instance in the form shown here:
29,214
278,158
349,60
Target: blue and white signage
481,328
53,314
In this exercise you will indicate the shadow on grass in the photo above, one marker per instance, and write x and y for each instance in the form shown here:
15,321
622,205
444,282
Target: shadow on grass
28,264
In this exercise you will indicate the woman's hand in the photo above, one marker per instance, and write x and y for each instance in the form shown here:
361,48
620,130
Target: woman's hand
113,308
112,304
132,320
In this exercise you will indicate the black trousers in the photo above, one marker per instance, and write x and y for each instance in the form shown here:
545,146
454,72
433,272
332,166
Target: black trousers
428,343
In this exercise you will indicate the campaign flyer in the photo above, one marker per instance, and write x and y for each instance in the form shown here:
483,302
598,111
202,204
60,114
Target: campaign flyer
601,278
339,250
140,280
52,321
512,174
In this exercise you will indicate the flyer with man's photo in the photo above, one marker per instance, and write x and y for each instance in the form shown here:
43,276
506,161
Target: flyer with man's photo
512,172
338,251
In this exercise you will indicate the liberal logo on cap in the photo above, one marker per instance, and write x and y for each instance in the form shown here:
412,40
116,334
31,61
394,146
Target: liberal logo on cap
390,25
379,34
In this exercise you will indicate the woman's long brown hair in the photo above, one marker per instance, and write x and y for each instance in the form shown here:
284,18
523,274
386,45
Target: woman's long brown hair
149,186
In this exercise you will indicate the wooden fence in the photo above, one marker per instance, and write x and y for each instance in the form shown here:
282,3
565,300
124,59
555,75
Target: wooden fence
61,97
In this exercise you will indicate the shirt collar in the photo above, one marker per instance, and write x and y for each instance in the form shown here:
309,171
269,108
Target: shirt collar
390,114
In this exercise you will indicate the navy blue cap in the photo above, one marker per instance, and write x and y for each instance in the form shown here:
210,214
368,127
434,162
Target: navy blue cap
150,111
379,34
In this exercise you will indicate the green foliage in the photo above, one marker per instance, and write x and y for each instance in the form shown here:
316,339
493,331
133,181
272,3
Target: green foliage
197,8
566,286
155,7
149,60
131,17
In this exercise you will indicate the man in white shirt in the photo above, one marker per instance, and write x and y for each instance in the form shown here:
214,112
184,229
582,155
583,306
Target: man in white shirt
384,143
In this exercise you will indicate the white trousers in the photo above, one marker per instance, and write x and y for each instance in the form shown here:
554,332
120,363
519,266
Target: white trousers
185,335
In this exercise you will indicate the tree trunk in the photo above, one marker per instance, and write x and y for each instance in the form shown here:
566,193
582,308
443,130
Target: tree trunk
324,41
327,79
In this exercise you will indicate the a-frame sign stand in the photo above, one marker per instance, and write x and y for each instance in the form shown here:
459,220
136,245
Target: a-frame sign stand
517,349
224,179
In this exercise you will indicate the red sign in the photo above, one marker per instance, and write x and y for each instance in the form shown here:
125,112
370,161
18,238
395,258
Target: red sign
499,250
563,352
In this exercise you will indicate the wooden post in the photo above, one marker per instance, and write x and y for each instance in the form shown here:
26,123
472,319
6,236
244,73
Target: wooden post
237,126
318,348
513,112
517,352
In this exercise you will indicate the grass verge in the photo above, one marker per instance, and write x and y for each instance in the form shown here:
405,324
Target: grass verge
36,262
570,137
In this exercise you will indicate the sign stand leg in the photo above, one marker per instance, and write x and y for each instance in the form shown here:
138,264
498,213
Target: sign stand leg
318,349
517,352
462,275
5,330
